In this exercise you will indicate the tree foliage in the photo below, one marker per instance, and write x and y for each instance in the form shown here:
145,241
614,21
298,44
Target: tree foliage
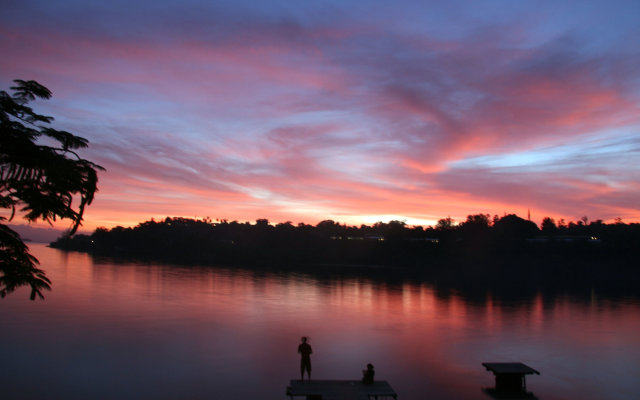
508,240
42,177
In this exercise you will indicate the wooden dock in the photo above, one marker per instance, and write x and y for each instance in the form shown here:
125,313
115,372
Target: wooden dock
340,390
510,380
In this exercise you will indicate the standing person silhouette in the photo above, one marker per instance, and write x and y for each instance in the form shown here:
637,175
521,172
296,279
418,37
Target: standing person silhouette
305,361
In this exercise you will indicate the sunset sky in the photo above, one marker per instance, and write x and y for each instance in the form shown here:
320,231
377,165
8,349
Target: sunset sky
356,111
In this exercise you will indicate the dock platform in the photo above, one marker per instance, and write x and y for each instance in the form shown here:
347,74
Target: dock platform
340,390
510,380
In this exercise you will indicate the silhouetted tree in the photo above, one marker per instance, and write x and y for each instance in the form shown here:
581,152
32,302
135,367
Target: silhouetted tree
476,224
40,174
329,228
474,233
186,241
548,226
511,227
445,224
391,230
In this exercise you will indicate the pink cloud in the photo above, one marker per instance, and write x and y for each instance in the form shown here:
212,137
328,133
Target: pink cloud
256,118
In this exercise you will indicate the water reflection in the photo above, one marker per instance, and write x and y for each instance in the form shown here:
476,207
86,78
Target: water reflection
163,331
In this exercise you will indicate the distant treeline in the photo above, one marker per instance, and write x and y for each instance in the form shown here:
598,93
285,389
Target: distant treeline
479,242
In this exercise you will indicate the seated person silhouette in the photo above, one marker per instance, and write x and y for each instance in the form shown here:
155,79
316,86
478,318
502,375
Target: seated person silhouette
368,374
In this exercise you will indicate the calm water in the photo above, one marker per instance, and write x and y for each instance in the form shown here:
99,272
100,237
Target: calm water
114,331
